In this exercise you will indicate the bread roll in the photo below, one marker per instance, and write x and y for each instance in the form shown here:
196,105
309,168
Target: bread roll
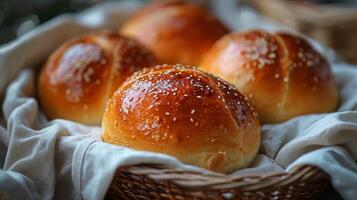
183,112
176,32
282,74
80,76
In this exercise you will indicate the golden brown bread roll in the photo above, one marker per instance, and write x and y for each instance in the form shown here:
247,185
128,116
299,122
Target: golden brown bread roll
281,74
174,31
200,119
80,76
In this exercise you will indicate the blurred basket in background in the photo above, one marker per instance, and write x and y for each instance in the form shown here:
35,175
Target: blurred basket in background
334,26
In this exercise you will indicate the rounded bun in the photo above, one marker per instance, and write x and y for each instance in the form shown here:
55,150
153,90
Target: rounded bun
81,75
282,74
176,32
186,113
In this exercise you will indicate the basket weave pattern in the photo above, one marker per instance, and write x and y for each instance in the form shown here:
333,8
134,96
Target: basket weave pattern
159,182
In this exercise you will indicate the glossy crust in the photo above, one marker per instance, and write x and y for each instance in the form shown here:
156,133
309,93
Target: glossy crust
281,74
200,119
176,32
80,76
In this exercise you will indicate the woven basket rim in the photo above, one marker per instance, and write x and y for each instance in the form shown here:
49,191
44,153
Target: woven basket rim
195,180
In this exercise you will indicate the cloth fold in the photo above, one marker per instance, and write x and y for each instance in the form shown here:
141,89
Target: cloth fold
61,159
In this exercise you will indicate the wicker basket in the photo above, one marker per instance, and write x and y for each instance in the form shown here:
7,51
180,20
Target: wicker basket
160,182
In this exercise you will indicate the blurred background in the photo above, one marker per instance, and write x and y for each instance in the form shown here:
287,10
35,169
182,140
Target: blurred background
331,22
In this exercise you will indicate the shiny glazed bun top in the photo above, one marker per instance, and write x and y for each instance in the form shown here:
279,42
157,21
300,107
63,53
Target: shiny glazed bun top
282,74
184,112
80,76
175,31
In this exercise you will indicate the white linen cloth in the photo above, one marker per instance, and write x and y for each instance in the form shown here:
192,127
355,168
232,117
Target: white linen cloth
60,159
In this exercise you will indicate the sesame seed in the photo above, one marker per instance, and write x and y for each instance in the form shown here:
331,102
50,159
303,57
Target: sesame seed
300,55
309,63
271,55
193,111
315,79
124,109
68,91
167,113
191,120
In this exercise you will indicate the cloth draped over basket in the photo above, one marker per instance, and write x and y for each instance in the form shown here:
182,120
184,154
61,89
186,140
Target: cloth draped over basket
60,159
